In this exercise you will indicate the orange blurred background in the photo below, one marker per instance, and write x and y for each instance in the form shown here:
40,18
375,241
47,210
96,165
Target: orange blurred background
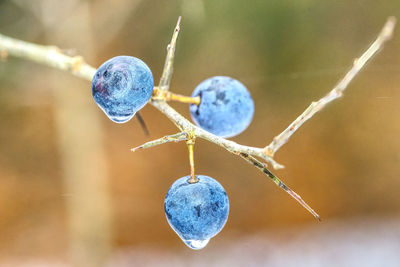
72,193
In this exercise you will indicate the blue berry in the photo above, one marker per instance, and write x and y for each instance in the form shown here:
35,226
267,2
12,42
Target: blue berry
122,86
196,211
226,108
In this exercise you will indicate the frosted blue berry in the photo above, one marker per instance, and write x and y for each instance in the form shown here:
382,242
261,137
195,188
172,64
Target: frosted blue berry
122,86
196,211
226,108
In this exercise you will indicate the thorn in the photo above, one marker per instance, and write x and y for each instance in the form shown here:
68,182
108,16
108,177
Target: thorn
278,166
178,24
136,148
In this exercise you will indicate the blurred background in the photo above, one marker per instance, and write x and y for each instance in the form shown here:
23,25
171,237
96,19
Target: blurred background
72,193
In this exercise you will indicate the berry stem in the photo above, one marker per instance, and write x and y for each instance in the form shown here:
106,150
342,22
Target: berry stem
190,144
159,94
183,99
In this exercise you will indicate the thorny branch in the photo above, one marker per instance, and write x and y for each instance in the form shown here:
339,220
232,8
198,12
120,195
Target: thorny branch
261,166
385,35
54,57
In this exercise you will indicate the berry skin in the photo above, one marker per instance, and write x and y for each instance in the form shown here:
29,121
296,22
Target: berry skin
196,211
226,108
122,86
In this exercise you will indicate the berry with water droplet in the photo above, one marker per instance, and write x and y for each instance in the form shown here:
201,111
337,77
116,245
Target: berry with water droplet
226,107
121,86
196,211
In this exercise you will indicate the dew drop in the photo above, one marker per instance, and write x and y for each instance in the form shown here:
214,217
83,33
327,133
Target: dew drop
119,119
196,244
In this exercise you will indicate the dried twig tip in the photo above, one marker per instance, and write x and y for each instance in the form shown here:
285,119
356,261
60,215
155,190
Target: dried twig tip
178,24
388,29
136,148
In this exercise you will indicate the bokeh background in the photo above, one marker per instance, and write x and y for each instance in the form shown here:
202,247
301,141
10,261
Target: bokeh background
72,193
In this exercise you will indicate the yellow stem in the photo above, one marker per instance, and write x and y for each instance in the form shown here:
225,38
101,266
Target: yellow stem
184,99
193,178
159,94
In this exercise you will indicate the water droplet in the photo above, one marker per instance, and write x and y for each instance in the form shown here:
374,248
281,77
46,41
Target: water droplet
196,244
119,119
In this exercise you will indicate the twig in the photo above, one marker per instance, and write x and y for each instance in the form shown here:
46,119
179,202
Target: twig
182,136
51,56
261,166
229,145
385,35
